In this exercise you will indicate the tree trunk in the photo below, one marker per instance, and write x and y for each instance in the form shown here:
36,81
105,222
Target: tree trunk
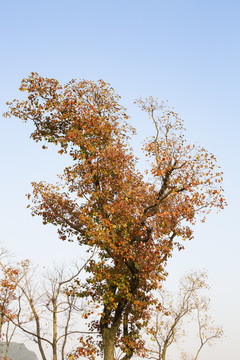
200,348
163,357
6,350
108,336
54,343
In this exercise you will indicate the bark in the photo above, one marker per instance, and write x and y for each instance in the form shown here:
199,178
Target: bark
38,328
200,348
129,355
108,336
164,352
54,343
8,338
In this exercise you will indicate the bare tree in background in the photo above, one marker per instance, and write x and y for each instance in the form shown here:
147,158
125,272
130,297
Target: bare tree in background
9,276
168,322
47,310
208,331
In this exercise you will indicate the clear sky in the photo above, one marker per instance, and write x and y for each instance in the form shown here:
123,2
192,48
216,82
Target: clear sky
186,52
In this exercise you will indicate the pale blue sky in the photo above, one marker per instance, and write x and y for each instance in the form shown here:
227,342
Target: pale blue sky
186,52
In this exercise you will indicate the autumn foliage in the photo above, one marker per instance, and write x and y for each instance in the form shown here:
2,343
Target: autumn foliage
133,219
9,274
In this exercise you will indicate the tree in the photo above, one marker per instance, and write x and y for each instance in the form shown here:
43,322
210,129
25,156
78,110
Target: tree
103,201
10,275
47,313
168,323
208,332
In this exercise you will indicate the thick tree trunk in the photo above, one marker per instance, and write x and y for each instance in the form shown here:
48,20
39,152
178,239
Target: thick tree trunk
108,336
109,332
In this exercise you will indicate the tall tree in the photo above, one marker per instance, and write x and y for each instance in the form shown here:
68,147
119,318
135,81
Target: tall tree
105,202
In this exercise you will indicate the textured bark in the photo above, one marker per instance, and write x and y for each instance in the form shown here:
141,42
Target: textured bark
108,336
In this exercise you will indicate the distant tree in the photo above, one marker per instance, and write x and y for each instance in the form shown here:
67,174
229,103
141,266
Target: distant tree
208,332
46,310
168,322
10,274
104,201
